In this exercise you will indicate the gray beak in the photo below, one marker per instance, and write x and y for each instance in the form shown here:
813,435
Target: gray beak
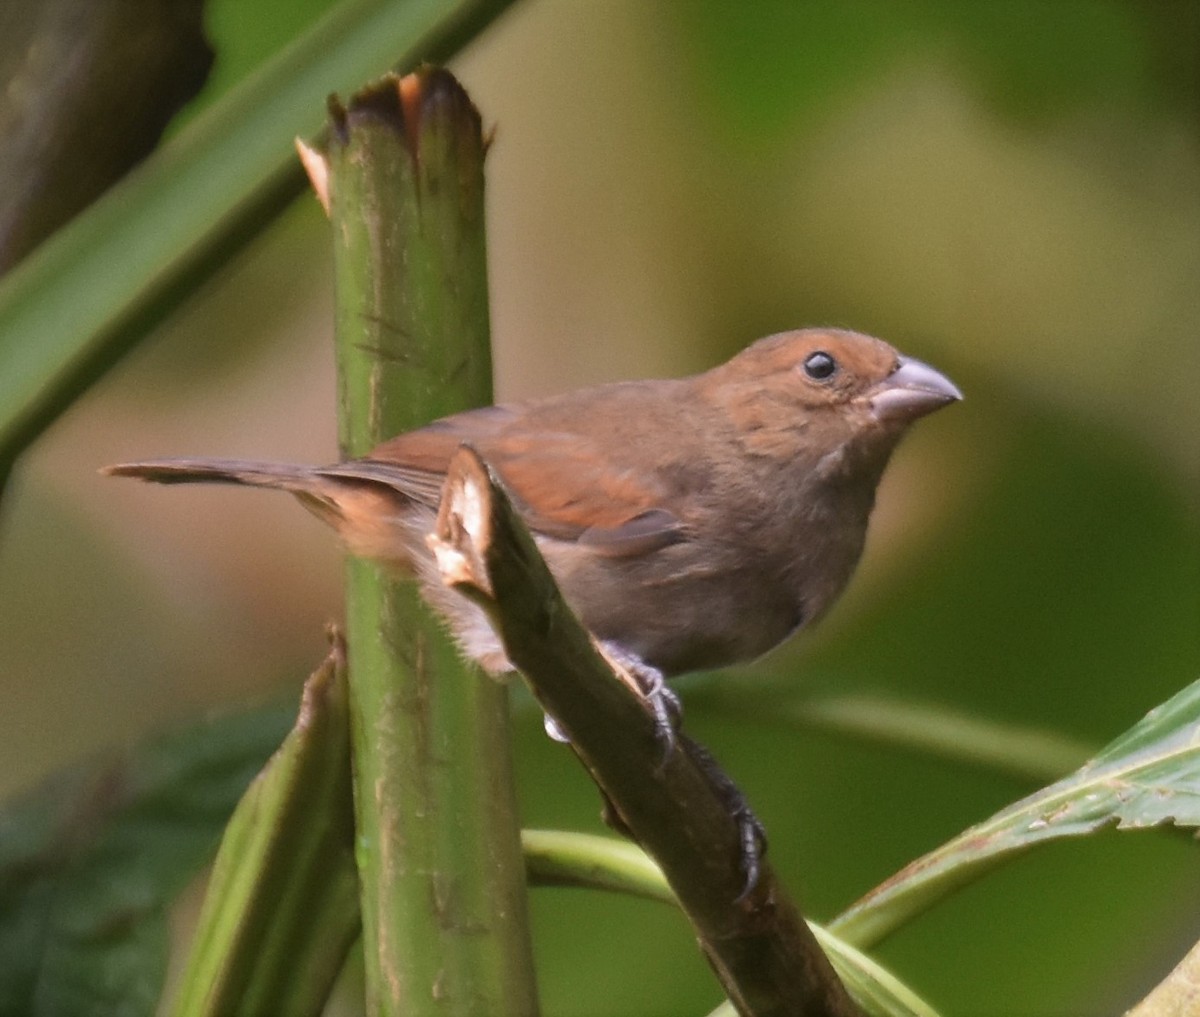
911,391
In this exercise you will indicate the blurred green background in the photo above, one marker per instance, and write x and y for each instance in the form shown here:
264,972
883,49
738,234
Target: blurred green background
1010,190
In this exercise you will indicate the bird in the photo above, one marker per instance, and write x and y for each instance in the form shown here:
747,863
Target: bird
691,523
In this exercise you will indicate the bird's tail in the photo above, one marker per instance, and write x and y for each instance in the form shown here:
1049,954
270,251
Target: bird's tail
285,476
366,507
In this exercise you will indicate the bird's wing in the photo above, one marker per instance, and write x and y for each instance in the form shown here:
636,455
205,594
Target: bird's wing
560,480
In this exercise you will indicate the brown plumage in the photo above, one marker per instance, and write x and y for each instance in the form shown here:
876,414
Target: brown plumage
691,522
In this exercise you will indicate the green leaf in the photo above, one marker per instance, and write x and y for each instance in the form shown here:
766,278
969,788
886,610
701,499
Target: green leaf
1147,777
89,292
281,909
91,861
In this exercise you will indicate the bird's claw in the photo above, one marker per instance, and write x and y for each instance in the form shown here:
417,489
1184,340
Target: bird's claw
667,708
665,704
752,837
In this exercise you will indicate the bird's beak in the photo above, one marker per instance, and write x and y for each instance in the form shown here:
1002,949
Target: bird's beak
911,391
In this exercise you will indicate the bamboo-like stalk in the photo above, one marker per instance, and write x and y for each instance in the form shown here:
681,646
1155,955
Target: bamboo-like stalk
442,881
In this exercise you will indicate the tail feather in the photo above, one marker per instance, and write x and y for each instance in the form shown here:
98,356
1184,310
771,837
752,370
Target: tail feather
368,508
285,476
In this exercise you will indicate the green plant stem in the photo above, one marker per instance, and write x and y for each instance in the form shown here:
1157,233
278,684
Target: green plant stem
562,858
443,891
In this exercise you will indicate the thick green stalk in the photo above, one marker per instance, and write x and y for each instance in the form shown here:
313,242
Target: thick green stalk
443,891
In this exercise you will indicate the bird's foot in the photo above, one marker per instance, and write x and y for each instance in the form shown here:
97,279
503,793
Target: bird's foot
665,705
752,836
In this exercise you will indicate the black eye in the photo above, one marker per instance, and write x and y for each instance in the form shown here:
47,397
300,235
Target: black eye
820,366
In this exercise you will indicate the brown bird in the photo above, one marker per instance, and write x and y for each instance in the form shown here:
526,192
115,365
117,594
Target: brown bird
691,523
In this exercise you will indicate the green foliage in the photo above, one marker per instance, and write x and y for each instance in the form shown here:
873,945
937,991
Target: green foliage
84,298
80,850
1033,60
91,862
281,909
1148,776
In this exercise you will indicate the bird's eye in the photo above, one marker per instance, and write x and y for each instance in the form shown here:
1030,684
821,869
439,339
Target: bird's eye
820,366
